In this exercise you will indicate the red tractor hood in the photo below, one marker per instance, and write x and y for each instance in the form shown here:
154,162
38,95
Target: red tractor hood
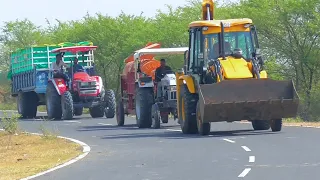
84,77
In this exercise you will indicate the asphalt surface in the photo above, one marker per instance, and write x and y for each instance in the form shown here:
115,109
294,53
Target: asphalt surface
232,151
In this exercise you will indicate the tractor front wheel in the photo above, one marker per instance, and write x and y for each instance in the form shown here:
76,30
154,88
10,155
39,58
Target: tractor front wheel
67,105
110,100
97,111
120,113
155,115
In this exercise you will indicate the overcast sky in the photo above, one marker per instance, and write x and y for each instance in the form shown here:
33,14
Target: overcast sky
38,10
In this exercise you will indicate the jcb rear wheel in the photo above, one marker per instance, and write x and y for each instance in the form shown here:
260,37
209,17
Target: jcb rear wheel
260,125
188,104
276,125
203,128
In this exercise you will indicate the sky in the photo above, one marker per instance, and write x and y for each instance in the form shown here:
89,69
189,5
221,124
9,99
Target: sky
38,10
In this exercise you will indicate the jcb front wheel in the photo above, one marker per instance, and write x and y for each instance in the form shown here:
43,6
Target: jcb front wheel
187,108
203,128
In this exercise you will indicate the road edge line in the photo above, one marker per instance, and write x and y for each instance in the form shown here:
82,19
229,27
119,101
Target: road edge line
85,149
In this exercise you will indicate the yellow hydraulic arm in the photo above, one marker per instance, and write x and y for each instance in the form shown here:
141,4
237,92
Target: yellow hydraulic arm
207,10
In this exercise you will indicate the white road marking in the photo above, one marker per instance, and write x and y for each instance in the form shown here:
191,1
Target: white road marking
103,124
72,121
228,140
252,159
85,149
246,148
245,172
176,130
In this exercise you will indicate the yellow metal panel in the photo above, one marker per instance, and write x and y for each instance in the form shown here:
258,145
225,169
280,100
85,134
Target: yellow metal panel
263,74
238,28
235,68
216,23
189,83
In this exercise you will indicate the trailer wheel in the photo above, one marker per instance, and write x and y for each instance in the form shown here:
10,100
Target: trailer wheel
78,111
276,125
203,128
53,102
120,113
27,104
260,125
155,115
165,119
110,103
97,111
67,105
187,108
143,102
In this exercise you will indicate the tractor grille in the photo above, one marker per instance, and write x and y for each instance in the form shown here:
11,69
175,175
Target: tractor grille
87,87
173,95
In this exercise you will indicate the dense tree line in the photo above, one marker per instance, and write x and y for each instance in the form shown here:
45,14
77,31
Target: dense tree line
288,33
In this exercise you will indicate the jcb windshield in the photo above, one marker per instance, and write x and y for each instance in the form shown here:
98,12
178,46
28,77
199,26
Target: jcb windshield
233,40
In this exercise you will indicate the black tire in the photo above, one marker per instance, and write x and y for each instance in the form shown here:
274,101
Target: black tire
67,105
189,102
120,113
27,104
143,102
276,125
78,111
155,115
203,128
97,111
110,99
260,125
165,119
53,102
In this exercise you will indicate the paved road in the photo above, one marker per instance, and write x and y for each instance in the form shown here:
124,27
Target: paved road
232,151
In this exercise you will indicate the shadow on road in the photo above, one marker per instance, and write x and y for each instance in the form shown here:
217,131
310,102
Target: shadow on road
113,127
179,135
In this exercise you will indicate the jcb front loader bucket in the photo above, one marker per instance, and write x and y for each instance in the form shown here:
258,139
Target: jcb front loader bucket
249,99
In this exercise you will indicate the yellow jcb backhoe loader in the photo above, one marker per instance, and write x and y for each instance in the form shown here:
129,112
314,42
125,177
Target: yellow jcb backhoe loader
223,78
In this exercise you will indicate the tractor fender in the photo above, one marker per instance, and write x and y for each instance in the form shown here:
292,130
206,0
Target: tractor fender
145,82
59,84
189,81
99,83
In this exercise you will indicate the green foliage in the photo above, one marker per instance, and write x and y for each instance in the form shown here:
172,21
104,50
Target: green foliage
10,123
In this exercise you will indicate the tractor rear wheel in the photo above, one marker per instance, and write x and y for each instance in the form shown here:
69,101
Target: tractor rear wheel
187,108
53,102
143,102
110,100
67,105
120,113
155,115
97,111
260,125
276,125
27,104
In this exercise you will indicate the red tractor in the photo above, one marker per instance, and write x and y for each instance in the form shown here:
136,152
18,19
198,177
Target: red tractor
66,96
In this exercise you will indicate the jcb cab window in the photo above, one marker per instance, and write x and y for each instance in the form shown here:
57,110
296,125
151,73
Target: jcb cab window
233,40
